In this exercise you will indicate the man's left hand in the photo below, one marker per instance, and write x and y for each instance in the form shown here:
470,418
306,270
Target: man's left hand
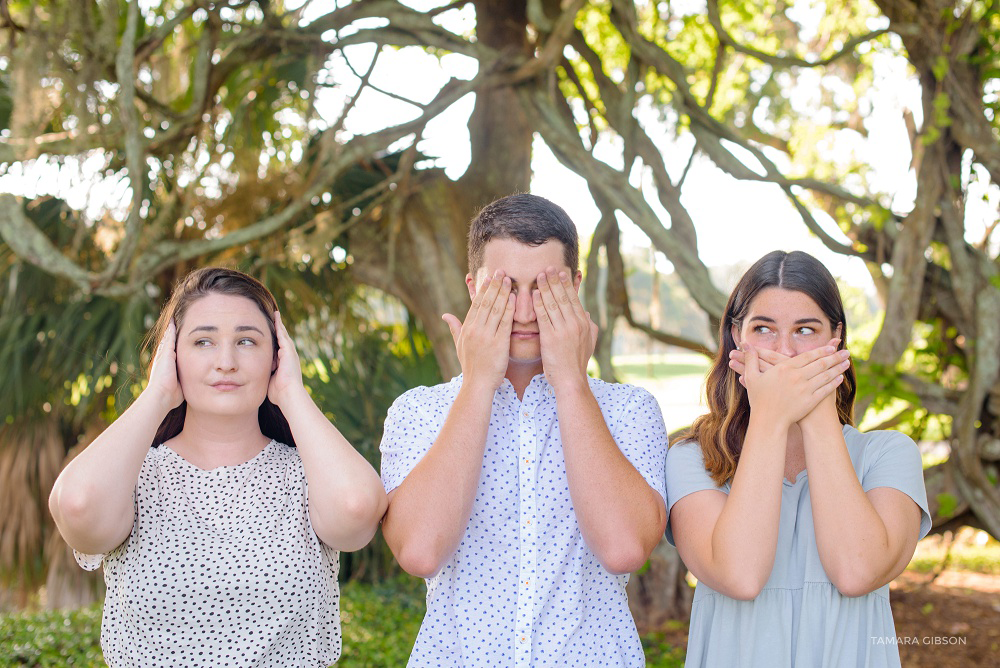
566,332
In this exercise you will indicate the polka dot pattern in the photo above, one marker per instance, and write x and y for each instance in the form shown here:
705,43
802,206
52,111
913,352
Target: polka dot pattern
523,589
222,568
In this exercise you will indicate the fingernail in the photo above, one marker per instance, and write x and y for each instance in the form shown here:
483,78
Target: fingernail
562,275
844,354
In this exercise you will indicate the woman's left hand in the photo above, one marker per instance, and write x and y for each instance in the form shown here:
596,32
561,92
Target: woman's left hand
287,377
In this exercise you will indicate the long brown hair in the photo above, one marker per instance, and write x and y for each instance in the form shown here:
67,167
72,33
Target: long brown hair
200,283
721,431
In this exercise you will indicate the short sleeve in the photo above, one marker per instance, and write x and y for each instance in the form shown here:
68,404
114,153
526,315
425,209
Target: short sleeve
642,438
88,562
893,460
686,474
411,426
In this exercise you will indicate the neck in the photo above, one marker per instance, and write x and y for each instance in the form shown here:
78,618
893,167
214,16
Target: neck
520,374
209,441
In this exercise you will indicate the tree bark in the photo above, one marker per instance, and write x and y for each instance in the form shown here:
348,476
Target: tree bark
661,592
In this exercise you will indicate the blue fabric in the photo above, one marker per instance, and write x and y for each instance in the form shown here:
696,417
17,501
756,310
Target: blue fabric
800,619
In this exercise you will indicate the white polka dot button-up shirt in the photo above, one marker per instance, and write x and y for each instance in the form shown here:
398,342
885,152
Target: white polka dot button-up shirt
523,589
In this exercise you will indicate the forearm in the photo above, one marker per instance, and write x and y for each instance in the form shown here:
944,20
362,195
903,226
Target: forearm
853,542
93,499
745,538
346,497
620,516
430,510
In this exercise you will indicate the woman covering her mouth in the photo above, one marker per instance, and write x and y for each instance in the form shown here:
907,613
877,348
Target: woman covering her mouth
793,521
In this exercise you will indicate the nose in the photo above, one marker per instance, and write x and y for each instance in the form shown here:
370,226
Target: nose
226,358
524,308
785,346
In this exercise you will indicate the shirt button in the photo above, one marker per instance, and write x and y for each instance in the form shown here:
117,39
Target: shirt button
524,639
526,414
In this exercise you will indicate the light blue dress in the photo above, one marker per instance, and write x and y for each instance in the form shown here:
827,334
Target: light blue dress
800,619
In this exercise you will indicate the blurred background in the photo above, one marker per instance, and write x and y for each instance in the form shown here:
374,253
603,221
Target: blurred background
337,151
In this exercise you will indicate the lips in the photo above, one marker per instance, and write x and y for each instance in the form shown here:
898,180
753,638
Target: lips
226,386
524,335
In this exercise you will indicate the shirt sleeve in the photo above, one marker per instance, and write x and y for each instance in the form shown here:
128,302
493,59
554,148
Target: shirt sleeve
642,438
686,474
88,562
896,463
410,429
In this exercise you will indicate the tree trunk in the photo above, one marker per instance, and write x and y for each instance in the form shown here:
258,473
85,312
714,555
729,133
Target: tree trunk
661,592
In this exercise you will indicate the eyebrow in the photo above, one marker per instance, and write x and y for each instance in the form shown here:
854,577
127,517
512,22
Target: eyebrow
801,321
239,328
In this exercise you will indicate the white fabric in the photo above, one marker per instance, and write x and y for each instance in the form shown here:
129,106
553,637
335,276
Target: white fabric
523,589
222,568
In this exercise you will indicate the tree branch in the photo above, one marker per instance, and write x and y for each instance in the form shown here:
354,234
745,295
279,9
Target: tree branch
134,152
783,61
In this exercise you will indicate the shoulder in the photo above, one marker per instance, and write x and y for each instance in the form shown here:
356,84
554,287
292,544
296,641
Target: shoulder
283,453
871,445
621,394
628,408
686,453
423,397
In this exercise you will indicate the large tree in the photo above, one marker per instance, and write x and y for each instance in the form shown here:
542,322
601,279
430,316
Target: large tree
209,119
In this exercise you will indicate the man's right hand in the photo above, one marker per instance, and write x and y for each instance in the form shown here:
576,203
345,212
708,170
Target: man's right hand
483,340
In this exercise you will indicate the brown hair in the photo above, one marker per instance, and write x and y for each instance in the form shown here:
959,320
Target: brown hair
528,219
721,431
200,283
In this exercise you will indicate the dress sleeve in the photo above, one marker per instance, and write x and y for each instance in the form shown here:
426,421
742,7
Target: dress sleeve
686,474
410,430
895,462
642,438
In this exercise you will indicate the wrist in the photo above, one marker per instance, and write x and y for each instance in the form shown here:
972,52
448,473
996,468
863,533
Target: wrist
773,426
568,388
478,388
298,394
819,420
156,402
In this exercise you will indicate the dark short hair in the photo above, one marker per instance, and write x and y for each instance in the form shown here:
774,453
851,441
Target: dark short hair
528,219
201,283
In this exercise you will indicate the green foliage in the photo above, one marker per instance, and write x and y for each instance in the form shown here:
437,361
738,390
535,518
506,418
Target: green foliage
380,622
974,559
947,503
53,639
355,384
659,653
62,352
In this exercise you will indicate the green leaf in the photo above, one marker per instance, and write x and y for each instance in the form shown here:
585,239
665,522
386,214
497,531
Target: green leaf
940,67
947,503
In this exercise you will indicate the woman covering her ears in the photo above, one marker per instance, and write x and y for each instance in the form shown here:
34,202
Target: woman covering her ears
218,501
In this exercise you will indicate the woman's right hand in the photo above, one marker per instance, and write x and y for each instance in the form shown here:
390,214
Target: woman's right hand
793,386
163,382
